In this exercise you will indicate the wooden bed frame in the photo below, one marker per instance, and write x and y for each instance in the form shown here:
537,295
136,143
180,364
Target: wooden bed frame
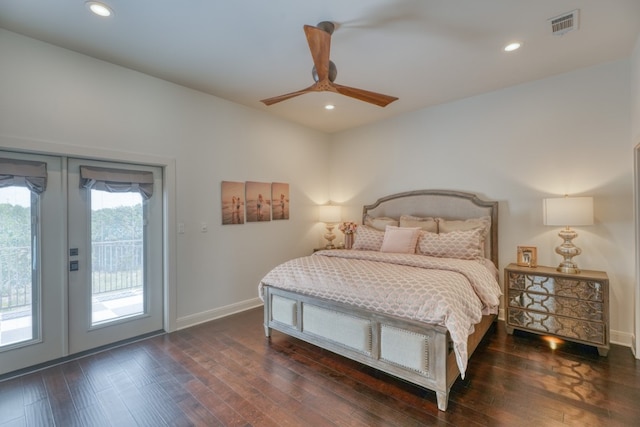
426,357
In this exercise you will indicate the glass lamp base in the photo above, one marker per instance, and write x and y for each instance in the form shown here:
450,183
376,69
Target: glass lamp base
568,250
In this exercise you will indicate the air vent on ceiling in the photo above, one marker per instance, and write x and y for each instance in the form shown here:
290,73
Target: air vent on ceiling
564,23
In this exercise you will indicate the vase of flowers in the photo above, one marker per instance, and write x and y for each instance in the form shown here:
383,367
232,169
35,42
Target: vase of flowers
348,228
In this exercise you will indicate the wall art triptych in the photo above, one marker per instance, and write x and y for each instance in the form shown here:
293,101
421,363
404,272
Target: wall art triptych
254,202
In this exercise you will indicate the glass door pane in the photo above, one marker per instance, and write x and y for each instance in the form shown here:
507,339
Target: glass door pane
117,256
115,259
18,270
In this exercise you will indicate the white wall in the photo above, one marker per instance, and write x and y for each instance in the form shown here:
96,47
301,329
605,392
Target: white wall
568,134
635,93
58,101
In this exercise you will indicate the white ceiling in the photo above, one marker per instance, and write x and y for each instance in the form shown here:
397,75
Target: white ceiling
425,52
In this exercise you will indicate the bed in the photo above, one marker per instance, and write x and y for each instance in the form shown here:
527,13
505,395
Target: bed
338,299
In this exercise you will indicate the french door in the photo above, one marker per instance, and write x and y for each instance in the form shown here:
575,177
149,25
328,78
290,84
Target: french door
32,286
85,268
115,254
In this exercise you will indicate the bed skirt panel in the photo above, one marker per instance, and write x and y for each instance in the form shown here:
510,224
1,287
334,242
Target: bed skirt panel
284,310
349,331
407,349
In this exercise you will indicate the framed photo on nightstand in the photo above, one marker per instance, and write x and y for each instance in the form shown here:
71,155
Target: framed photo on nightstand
527,256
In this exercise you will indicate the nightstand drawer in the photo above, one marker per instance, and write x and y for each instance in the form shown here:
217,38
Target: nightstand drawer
591,332
549,304
561,286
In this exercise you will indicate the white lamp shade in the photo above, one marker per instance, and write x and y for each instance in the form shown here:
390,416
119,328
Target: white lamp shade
568,211
330,214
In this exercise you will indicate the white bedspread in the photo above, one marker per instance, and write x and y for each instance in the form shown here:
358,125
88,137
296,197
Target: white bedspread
443,291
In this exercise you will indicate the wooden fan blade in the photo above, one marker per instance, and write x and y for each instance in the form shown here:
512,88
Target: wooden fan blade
320,46
276,99
364,95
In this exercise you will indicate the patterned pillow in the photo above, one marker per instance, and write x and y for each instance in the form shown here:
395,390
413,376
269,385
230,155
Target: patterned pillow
482,223
466,244
368,239
426,223
400,240
380,223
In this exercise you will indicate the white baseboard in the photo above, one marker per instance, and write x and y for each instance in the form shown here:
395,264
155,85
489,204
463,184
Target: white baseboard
622,338
216,313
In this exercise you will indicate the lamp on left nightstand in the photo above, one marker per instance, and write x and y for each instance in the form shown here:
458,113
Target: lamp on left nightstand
330,215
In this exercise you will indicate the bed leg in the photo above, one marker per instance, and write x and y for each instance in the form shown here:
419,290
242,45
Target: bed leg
443,400
267,331
509,330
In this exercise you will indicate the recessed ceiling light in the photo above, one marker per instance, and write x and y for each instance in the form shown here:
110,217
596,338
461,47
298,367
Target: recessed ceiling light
99,9
512,46
329,107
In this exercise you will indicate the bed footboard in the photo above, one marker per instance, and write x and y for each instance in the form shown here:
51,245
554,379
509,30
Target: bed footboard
408,350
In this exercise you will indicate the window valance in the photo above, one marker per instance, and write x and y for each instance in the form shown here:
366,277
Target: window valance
23,173
117,180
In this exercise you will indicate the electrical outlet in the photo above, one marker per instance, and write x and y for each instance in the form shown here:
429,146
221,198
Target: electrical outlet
204,227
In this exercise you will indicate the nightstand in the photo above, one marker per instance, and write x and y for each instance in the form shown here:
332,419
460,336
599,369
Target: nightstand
574,307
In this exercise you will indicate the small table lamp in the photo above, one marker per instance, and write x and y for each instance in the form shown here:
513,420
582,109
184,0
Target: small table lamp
330,215
568,211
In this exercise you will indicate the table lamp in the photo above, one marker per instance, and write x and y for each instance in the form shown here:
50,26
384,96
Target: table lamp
330,215
567,212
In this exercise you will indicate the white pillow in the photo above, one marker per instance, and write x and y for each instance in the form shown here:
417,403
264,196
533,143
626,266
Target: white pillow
379,223
425,223
400,239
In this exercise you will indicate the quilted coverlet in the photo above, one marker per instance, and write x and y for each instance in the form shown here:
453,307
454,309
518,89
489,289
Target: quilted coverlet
444,291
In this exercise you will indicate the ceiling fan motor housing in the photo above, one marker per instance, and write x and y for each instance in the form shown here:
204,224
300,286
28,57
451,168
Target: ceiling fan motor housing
326,26
333,72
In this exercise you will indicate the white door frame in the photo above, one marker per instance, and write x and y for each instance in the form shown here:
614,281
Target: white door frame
28,145
635,342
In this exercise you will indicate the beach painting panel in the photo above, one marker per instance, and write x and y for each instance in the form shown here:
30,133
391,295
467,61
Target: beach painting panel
258,201
232,202
279,200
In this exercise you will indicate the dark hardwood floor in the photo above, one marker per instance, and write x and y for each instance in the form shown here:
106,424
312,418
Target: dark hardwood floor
226,373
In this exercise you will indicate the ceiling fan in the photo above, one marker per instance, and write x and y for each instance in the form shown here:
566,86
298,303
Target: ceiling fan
324,71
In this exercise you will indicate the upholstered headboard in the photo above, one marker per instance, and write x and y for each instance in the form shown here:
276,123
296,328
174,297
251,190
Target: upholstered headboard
453,205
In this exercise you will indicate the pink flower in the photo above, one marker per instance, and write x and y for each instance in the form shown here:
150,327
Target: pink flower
348,227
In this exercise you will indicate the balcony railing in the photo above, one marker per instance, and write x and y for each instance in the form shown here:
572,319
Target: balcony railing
116,266
15,276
